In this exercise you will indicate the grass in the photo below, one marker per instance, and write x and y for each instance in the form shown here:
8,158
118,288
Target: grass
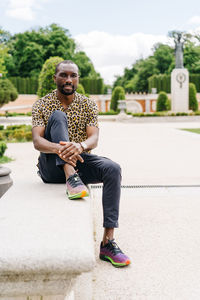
5,159
195,130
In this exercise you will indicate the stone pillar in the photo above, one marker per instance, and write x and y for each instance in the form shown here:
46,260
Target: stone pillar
103,105
147,105
180,90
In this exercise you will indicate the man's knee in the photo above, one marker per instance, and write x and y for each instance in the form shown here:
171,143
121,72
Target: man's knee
113,168
58,115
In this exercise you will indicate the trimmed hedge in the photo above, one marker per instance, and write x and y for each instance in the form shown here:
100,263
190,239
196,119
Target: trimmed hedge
27,85
162,102
3,148
163,82
193,103
117,94
92,85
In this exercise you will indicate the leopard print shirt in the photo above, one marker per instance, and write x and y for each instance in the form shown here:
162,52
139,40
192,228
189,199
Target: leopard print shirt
80,113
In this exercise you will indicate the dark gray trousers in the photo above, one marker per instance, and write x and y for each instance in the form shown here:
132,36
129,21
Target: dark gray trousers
95,169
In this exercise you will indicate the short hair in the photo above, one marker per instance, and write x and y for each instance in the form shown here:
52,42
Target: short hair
64,62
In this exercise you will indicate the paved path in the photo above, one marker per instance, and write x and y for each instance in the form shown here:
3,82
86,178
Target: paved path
159,228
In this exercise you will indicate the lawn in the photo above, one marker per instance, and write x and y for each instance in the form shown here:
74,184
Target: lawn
195,130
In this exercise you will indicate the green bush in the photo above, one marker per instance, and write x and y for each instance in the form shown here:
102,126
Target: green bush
8,91
8,134
46,83
3,148
110,112
1,136
80,89
1,127
162,102
193,103
28,136
117,94
19,135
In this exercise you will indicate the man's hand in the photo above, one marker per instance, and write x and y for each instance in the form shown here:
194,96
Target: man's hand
70,152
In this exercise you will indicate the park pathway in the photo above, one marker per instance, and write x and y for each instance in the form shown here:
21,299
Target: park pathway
159,226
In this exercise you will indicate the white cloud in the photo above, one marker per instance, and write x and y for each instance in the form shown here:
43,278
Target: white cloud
194,20
112,53
23,9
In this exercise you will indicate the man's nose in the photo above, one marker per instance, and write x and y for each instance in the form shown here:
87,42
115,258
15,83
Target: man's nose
68,78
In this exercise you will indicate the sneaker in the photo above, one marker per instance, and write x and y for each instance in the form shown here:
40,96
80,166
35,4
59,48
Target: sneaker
112,253
76,188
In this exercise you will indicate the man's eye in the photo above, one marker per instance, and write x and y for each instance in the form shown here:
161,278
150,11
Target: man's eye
63,75
74,75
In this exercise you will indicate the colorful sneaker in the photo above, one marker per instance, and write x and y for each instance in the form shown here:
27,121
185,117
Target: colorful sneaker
76,188
112,253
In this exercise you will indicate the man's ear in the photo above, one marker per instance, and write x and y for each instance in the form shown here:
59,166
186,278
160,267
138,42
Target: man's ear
54,78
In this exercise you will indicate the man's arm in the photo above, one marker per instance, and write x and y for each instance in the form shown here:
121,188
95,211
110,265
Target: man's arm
43,145
72,149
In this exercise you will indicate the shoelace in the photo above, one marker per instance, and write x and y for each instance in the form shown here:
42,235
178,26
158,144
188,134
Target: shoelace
74,180
114,247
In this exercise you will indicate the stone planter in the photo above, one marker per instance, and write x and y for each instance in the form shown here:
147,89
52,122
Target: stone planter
5,180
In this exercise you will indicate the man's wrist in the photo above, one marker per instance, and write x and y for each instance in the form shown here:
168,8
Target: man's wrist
84,146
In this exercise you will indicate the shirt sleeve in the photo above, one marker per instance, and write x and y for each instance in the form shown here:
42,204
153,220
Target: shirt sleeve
92,116
37,115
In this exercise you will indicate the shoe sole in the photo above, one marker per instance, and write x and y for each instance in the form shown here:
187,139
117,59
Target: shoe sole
117,265
78,196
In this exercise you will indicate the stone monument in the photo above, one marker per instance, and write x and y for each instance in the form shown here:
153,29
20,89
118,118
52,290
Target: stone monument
179,77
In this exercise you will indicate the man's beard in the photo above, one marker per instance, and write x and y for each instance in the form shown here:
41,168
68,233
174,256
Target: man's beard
67,93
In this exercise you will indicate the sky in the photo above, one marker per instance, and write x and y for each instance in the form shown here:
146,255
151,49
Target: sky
113,33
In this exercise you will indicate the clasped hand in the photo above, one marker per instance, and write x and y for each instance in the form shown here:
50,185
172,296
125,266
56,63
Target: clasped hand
70,152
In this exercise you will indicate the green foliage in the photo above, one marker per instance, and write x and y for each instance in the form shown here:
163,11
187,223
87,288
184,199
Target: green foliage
80,89
31,49
18,135
7,91
5,159
92,86
86,68
193,103
117,94
161,82
110,112
28,136
28,51
3,148
136,79
46,83
27,85
1,127
162,102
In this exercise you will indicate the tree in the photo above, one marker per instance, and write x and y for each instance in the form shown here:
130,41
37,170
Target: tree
85,65
117,94
7,91
146,69
162,102
164,57
3,54
193,103
46,83
31,49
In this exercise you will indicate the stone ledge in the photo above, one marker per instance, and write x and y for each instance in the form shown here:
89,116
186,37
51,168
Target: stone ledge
46,240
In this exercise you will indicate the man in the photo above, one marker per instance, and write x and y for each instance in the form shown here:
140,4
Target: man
65,129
